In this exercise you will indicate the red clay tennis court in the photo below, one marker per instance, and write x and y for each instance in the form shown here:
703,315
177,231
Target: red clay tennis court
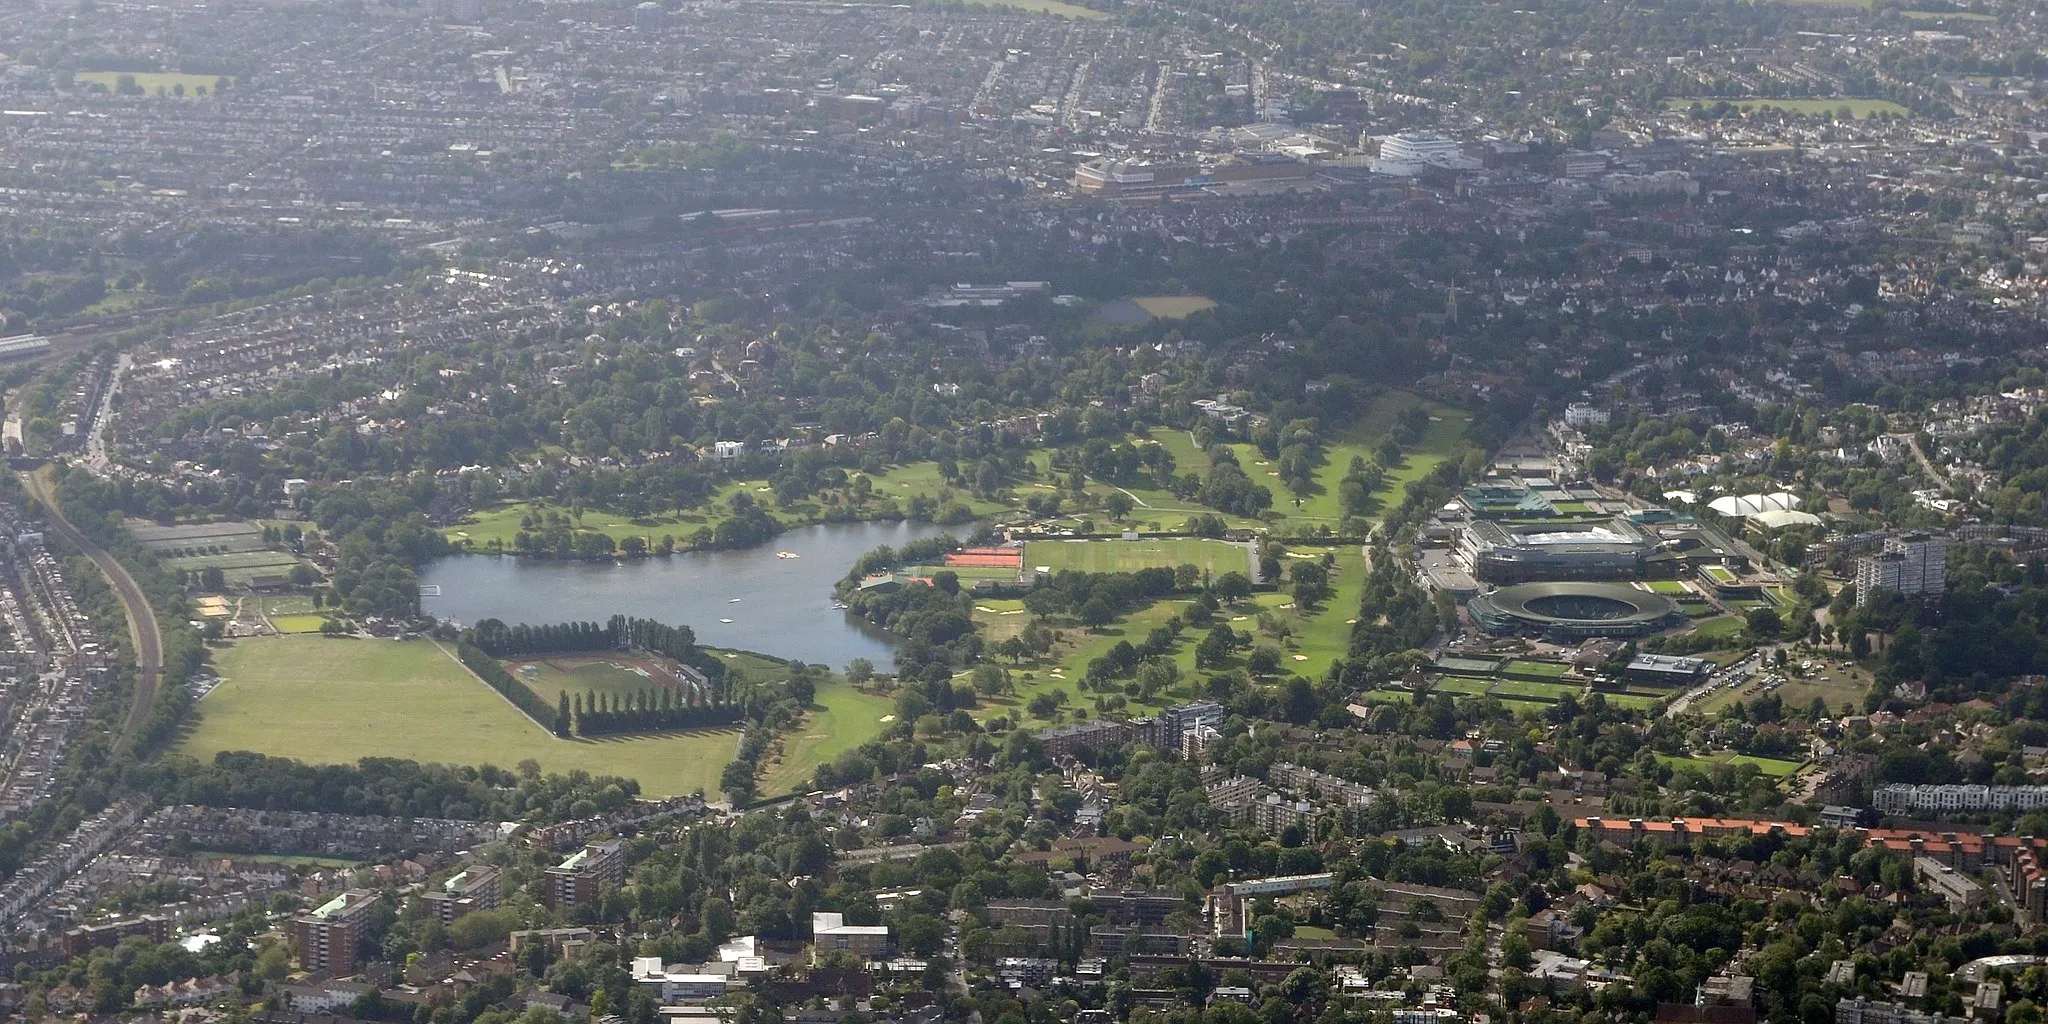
987,558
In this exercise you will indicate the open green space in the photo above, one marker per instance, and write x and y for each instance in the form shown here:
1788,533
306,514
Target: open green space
550,677
1633,701
1725,625
1315,638
1857,107
335,701
1551,692
1211,556
284,604
1463,685
154,83
841,719
1770,766
1446,426
1947,16
291,860
236,567
298,623
1173,307
1544,669
1064,10
1669,588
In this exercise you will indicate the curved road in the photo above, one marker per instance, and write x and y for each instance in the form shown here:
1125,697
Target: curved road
142,629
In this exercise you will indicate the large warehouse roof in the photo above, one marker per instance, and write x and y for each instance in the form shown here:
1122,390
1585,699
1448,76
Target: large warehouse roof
1746,505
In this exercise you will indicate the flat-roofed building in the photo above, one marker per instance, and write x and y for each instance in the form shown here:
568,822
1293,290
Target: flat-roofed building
831,934
472,889
1957,888
326,936
586,873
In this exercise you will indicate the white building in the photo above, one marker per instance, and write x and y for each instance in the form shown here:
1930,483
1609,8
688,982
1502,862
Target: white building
1581,415
1912,564
1900,798
678,984
1410,153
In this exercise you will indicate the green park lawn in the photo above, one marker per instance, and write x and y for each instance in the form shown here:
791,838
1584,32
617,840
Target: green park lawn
1322,505
1446,427
1725,625
1545,669
841,719
1771,767
1549,692
1632,701
335,701
1317,638
1097,556
298,623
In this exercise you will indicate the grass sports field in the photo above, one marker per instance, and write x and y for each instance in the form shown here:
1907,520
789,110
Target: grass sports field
842,719
1858,108
150,82
335,701
1064,10
620,676
1213,556
1175,307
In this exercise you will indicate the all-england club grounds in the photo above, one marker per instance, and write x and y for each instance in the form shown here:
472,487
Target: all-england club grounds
335,701
1215,557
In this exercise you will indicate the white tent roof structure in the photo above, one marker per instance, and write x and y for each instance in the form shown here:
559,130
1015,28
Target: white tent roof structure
1747,505
1779,518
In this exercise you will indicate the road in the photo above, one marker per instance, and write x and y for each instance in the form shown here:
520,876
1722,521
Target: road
142,629
1926,465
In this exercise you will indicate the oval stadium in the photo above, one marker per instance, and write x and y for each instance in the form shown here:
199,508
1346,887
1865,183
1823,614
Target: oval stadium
1573,611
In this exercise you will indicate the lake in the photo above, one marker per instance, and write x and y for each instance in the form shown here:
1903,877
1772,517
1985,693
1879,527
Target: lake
777,605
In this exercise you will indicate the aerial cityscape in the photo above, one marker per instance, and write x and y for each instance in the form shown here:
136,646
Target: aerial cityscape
1024,511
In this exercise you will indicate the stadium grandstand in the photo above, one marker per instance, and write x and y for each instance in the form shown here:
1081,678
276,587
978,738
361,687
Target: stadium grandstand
1611,549
1569,612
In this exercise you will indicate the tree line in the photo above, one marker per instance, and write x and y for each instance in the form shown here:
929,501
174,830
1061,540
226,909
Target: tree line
384,786
491,672
657,710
